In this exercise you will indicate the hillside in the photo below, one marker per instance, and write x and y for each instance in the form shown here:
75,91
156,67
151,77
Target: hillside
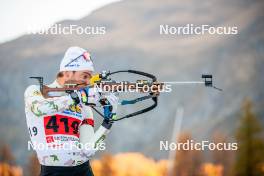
132,41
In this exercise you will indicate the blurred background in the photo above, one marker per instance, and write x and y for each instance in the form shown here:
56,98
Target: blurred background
132,41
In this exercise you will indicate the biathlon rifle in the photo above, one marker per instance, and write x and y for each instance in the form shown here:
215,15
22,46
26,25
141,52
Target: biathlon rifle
104,81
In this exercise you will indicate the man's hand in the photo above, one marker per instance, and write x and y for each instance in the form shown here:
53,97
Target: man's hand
110,110
113,101
86,96
91,97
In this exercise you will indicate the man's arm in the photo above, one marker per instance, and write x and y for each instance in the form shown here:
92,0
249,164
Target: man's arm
41,106
87,134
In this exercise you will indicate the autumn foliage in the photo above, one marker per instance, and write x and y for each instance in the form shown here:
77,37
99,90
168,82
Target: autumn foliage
9,170
133,164
7,163
128,164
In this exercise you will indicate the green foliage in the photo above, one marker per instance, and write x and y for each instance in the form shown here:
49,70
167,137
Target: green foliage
250,154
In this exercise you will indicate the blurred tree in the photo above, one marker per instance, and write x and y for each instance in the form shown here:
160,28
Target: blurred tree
187,162
162,167
224,158
7,163
33,167
107,162
6,154
129,164
250,153
97,167
212,170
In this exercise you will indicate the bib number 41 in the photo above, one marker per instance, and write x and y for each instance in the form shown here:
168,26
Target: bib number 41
59,124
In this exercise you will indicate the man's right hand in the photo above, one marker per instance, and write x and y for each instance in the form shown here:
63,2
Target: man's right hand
86,96
91,97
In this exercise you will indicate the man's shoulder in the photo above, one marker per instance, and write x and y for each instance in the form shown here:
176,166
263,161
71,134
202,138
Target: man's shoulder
32,90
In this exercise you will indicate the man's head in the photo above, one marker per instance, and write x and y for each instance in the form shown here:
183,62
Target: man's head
76,65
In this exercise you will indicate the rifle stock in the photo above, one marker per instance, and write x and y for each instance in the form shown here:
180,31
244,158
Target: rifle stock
155,87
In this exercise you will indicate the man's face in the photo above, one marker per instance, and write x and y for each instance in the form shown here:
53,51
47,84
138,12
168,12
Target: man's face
79,76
